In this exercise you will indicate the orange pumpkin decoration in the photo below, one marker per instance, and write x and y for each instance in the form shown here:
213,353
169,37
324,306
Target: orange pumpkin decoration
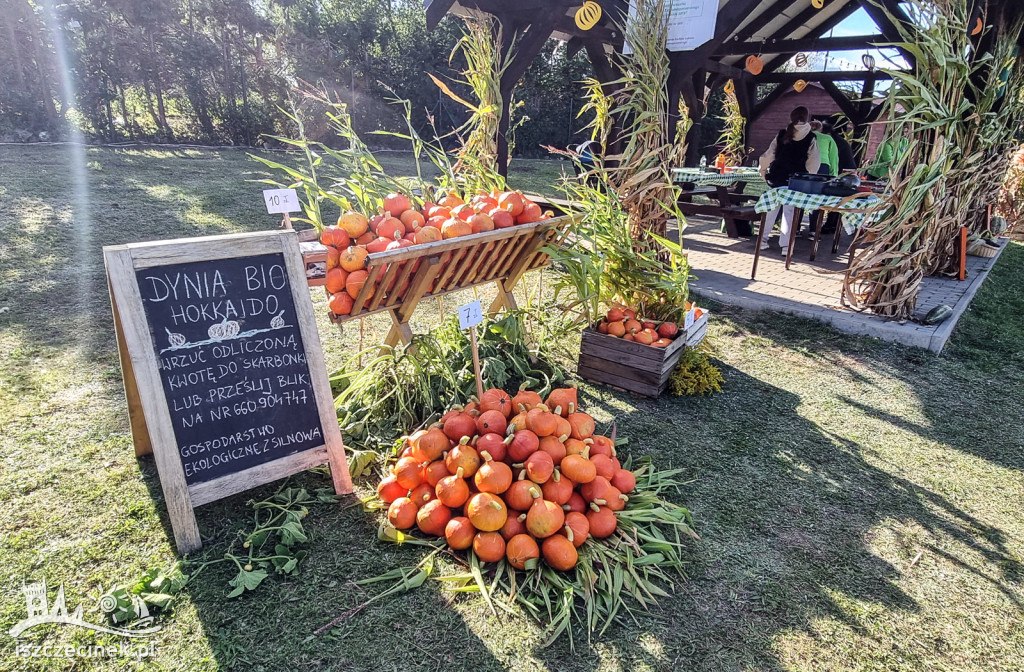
578,468
489,546
544,518
353,258
602,521
336,278
465,457
355,281
459,425
563,401
487,512
481,223
389,489
424,492
557,489
514,525
402,513
524,443
520,550
433,517
624,480
459,533
602,445
389,227
434,472
491,422
526,400
408,472
539,466
754,65
512,202
604,466
496,400
574,447
427,234
541,421
412,219
336,236
520,495
581,425
341,303
494,445
455,228
576,503
580,526
616,329
501,218
432,443
452,490
493,477
553,447
559,553
353,223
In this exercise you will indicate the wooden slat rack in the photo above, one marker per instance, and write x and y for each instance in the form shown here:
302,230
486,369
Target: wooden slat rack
398,280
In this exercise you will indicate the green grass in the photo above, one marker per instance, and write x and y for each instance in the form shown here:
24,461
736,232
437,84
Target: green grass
859,503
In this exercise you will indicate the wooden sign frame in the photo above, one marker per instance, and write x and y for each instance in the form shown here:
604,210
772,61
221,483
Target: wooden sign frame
148,410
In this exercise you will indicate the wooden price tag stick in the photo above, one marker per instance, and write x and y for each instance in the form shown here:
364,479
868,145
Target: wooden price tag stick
471,315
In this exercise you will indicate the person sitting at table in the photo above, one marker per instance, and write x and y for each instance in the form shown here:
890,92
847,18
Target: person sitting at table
793,150
888,151
847,161
827,146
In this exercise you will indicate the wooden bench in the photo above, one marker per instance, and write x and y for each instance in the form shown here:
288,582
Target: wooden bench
739,213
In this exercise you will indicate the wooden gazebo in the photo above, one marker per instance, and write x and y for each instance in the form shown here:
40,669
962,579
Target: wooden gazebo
774,30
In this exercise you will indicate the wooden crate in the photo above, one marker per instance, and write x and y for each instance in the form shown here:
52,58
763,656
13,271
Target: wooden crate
639,368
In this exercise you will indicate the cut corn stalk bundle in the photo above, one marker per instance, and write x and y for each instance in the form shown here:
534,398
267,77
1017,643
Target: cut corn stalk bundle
958,110
615,577
733,136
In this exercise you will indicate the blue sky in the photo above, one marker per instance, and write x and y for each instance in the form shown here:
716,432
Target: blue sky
859,23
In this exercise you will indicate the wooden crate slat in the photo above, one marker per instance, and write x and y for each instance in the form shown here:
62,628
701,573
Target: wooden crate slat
471,273
450,268
389,275
435,284
617,370
368,287
399,285
595,376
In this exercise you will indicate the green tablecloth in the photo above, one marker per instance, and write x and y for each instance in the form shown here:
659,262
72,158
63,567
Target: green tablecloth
699,179
774,198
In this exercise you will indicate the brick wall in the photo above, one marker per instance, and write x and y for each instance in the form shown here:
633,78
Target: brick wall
776,118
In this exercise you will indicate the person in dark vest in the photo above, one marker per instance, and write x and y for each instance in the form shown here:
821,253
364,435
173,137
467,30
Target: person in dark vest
794,150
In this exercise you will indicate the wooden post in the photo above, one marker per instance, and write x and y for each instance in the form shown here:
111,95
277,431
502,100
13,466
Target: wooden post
476,363
963,252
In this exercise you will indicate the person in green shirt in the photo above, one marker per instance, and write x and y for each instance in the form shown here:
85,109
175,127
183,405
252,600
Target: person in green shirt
888,152
827,146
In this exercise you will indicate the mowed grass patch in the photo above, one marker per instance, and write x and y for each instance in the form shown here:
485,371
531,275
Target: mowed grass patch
858,502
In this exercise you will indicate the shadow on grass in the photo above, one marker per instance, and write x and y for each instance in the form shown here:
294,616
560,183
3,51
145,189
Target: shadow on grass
786,511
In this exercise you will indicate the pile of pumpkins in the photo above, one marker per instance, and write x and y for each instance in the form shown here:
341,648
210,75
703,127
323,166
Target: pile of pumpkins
400,225
624,323
517,478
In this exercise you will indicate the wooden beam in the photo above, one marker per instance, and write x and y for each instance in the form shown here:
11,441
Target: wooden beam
848,107
436,9
729,71
867,95
885,17
829,75
761,20
819,31
779,46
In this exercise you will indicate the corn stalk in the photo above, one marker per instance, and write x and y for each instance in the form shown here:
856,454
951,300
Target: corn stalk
733,136
959,119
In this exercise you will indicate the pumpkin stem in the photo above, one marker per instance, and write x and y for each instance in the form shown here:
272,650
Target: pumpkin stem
494,505
522,475
509,439
459,472
595,507
586,453
518,465
568,533
534,492
557,411
521,517
588,441
624,498
563,438
544,407
572,409
555,476
602,502
487,456
464,440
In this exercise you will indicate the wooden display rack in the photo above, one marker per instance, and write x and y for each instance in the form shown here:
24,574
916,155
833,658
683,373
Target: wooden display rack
398,280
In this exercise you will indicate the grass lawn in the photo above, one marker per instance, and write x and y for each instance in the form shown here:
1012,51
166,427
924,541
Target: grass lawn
859,503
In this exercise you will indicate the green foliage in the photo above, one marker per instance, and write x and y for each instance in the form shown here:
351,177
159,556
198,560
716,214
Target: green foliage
695,375
403,388
734,127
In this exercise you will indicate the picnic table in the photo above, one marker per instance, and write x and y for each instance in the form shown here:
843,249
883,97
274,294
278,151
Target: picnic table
853,209
730,204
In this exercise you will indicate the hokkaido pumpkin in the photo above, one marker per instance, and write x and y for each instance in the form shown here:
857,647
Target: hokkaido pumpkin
487,512
341,303
389,489
494,445
432,443
452,490
432,518
459,533
539,466
408,472
559,553
624,480
513,525
581,426
396,204
460,425
524,443
434,472
402,513
493,477
424,492
553,447
578,468
602,521
520,495
526,400
455,228
557,489
354,283
565,399
491,422
489,546
496,400
353,223
353,258
544,518
580,526
465,457
520,550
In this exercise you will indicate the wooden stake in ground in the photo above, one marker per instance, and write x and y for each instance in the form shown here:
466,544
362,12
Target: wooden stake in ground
471,315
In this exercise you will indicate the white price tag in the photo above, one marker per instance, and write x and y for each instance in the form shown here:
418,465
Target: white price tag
691,317
281,200
470,315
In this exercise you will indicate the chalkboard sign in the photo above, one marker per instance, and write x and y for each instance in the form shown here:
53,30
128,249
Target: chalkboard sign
223,371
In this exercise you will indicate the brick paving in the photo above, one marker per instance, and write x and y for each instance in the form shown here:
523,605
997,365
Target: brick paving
722,267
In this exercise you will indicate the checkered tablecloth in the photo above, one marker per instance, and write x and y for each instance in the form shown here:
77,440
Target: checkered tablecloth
774,198
699,179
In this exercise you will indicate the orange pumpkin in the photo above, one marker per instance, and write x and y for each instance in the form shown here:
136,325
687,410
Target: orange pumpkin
602,521
489,546
452,490
433,517
459,533
486,511
402,513
754,65
544,518
580,526
559,553
521,549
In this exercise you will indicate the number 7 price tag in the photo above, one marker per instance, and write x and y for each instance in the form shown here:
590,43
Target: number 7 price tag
470,315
